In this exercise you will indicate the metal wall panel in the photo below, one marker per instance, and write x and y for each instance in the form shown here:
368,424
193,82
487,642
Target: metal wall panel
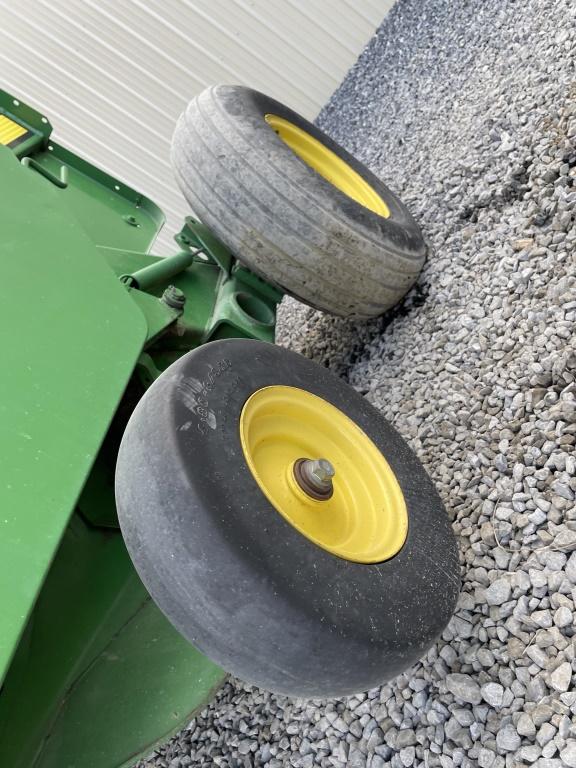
113,75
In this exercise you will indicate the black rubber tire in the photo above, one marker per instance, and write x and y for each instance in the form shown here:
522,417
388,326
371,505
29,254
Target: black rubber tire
239,581
281,218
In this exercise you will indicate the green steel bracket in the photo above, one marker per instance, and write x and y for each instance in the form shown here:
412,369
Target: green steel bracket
241,312
159,316
159,272
199,245
234,301
196,235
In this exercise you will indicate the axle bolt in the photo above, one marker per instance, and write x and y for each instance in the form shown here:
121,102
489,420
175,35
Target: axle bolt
321,470
174,297
314,476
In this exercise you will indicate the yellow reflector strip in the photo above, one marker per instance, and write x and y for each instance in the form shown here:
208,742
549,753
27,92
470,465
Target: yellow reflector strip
10,131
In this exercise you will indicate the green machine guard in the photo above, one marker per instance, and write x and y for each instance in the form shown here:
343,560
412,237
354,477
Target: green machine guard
93,675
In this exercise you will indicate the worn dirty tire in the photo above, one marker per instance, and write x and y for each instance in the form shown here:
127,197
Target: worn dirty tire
284,220
238,580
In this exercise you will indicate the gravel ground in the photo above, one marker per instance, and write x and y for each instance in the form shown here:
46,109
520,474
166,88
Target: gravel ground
468,109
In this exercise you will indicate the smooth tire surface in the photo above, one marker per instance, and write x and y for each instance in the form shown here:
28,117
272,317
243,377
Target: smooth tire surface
238,580
282,218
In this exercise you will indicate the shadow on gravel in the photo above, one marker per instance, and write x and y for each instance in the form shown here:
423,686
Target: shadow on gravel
338,343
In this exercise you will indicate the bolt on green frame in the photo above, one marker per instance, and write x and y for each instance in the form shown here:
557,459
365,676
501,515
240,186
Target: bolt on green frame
92,673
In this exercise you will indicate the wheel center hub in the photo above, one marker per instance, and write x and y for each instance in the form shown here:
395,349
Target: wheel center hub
284,430
314,477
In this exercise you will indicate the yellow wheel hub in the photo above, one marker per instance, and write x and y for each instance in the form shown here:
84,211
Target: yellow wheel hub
327,163
365,519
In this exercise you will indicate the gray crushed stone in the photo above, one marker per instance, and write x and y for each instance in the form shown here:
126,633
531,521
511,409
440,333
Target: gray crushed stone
468,110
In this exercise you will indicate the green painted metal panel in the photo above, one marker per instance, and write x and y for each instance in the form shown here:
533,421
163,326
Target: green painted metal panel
70,336
146,685
111,212
100,675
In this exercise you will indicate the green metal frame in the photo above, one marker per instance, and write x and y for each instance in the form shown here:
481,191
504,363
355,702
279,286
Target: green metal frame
92,675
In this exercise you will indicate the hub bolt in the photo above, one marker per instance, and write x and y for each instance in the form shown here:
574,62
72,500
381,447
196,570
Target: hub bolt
314,476
174,297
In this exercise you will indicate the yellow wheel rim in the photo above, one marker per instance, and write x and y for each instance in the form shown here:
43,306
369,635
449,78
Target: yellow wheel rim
365,520
328,164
